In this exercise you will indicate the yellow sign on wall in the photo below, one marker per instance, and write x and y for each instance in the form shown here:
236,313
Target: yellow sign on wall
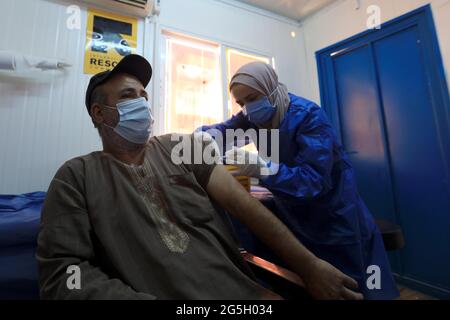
109,38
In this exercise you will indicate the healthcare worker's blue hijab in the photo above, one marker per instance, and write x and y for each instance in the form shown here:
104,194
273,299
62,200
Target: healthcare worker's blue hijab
263,78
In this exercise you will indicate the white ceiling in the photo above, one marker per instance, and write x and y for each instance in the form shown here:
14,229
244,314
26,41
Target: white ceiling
294,9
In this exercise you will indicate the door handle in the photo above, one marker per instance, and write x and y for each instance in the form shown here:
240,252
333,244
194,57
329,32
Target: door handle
350,152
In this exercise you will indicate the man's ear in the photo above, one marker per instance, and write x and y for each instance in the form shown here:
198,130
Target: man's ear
96,114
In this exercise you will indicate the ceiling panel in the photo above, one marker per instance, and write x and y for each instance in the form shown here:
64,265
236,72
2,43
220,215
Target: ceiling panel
294,9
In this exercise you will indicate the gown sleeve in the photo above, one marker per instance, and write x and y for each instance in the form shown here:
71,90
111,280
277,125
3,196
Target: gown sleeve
238,121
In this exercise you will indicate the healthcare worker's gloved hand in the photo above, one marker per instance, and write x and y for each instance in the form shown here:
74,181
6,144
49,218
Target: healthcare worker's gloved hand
249,164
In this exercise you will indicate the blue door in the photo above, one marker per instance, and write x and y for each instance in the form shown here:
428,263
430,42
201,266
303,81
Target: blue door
386,93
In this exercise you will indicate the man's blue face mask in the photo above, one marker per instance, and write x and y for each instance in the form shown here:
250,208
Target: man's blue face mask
260,111
136,121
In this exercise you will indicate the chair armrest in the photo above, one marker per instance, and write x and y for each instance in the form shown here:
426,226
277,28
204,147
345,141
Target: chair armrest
283,282
276,270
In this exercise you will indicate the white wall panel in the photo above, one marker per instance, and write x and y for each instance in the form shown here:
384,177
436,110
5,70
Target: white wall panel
43,120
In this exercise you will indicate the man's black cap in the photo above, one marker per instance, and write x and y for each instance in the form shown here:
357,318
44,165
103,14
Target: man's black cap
132,64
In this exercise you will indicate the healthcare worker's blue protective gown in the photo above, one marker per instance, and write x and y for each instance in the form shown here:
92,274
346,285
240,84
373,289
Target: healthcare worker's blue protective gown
316,196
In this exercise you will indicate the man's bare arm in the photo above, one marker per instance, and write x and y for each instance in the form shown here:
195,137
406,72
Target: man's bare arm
323,280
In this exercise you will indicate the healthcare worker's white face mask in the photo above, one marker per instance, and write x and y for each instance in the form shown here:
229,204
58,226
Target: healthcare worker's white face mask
136,121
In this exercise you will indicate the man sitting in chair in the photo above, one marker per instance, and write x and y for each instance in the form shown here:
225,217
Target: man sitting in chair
135,225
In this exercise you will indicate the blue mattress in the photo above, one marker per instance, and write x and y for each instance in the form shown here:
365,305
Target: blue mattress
19,226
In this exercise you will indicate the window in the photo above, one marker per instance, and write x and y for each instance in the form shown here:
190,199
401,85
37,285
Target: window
193,90
235,60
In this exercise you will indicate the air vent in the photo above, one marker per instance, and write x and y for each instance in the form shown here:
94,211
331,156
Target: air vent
139,8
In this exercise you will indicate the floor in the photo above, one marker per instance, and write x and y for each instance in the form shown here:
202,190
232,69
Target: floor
408,294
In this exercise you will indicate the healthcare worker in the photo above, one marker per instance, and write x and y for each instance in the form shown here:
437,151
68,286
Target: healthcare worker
313,183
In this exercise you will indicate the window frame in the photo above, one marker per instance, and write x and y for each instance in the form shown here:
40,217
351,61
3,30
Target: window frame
159,84
228,97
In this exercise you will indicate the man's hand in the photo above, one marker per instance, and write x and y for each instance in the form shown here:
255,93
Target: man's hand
325,282
322,279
